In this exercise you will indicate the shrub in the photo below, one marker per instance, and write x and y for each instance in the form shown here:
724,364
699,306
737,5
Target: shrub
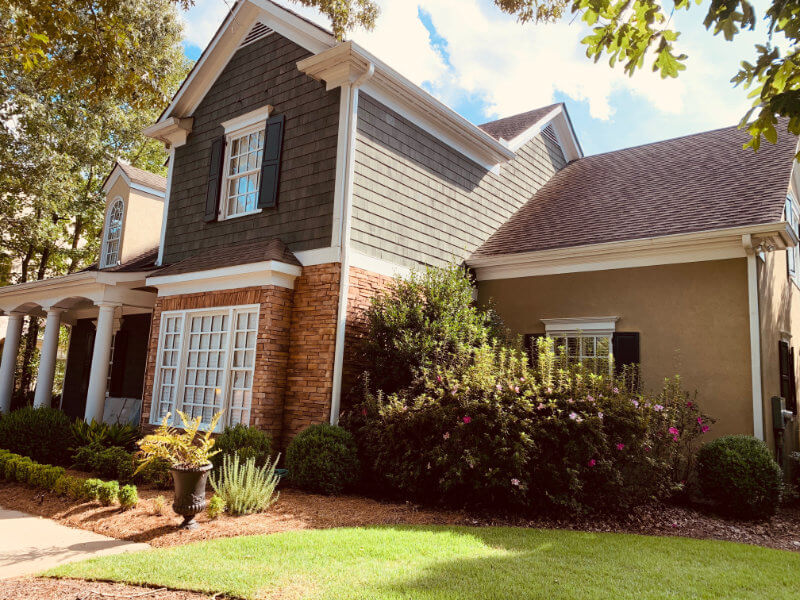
108,492
159,505
216,506
110,463
24,469
77,489
323,458
419,322
91,488
245,488
738,474
44,476
62,486
105,435
246,442
155,473
128,497
43,434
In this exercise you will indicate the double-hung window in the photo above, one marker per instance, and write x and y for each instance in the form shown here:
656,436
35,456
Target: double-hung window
205,364
792,216
244,152
113,234
584,340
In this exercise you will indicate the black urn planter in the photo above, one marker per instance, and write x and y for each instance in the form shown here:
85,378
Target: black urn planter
190,493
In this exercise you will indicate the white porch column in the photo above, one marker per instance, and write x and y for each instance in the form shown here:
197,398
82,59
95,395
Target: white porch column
9,360
96,396
47,359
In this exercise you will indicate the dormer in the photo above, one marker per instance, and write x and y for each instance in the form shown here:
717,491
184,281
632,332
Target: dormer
133,215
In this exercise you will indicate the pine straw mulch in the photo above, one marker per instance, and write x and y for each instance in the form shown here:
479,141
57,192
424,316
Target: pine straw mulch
299,510
31,588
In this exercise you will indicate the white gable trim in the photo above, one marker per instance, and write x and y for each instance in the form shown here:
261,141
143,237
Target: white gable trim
562,125
268,272
117,172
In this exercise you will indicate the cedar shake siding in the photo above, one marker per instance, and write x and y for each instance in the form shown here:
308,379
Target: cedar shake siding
261,73
417,200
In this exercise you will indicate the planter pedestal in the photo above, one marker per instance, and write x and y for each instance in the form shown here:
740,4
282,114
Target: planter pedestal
190,493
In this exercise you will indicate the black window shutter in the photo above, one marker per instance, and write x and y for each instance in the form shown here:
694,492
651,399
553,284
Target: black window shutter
271,162
625,346
115,387
530,341
215,179
786,362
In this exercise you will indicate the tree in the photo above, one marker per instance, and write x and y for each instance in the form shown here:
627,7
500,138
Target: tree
63,126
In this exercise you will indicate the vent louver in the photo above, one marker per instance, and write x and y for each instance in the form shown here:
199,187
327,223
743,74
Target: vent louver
550,134
257,32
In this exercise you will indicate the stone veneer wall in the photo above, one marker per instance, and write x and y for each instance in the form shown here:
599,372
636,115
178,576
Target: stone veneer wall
272,347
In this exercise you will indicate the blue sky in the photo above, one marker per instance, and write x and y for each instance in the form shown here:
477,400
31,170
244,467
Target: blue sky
486,65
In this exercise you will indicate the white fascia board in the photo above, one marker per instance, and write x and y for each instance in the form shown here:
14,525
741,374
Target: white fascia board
258,115
534,130
147,190
115,174
318,256
559,119
379,266
305,34
269,272
700,246
345,62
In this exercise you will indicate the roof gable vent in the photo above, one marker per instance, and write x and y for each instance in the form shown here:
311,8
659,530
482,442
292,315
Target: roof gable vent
550,134
257,32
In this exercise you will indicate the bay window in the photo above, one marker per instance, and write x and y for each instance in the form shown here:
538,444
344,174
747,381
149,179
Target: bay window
205,364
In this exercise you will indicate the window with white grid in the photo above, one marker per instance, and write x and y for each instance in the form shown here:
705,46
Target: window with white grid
113,234
213,371
243,171
593,351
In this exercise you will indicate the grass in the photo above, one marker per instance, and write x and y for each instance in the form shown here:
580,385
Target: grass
438,563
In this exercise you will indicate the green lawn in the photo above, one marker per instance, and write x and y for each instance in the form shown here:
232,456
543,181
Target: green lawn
427,563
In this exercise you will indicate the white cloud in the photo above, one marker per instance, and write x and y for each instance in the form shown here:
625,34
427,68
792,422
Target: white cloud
514,68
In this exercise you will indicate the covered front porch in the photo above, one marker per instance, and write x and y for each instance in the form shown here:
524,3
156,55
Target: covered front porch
109,317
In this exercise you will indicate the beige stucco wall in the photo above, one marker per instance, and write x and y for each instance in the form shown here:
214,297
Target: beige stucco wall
692,319
141,226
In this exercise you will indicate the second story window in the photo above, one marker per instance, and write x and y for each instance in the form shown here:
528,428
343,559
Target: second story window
113,234
793,253
243,172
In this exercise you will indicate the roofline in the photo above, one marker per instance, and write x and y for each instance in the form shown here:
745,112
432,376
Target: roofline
565,133
118,172
712,244
343,64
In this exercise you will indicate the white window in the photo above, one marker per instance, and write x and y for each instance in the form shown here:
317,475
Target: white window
584,340
206,360
243,154
793,254
113,234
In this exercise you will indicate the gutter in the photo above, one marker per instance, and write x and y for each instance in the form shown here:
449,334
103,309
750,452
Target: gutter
351,91
755,336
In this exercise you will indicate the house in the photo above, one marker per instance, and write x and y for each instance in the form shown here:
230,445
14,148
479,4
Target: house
304,174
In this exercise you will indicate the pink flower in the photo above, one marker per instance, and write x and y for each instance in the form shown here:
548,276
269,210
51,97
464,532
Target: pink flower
658,408
467,419
570,401
516,388
590,398
615,390
689,405
646,448
635,403
592,462
364,412
439,378
620,446
541,406
522,379
600,416
704,429
446,435
454,390
515,482
573,415
499,387
549,390
674,431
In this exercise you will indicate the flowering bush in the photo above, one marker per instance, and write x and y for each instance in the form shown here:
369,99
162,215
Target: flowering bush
487,430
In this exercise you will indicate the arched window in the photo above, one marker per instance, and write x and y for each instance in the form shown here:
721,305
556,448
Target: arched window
113,234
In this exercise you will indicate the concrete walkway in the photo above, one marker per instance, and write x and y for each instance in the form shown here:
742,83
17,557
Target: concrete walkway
30,544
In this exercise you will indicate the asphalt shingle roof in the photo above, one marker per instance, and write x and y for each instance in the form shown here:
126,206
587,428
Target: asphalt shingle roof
229,256
143,177
508,128
694,183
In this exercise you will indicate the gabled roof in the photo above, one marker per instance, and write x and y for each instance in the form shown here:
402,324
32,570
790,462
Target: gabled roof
508,128
689,184
231,256
136,178
146,261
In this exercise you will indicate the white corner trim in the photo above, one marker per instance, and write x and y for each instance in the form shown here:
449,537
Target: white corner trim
269,272
755,335
253,117
165,212
363,261
719,244
341,64
318,256
590,325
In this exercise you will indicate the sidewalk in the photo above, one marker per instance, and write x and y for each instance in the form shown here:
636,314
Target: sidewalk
30,544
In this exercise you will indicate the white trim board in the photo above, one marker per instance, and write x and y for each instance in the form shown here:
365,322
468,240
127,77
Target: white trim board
270,272
117,172
588,325
257,116
564,131
682,248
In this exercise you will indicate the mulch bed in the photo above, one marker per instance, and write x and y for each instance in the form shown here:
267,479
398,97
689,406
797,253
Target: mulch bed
30,588
300,510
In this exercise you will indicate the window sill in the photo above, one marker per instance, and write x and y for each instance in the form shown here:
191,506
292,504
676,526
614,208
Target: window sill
240,215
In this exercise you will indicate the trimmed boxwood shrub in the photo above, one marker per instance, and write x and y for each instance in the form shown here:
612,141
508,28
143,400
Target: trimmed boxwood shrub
323,458
128,497
43,434
108,492
247,442
739,476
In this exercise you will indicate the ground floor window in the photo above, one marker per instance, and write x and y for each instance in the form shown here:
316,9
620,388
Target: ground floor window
593,351
205,365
